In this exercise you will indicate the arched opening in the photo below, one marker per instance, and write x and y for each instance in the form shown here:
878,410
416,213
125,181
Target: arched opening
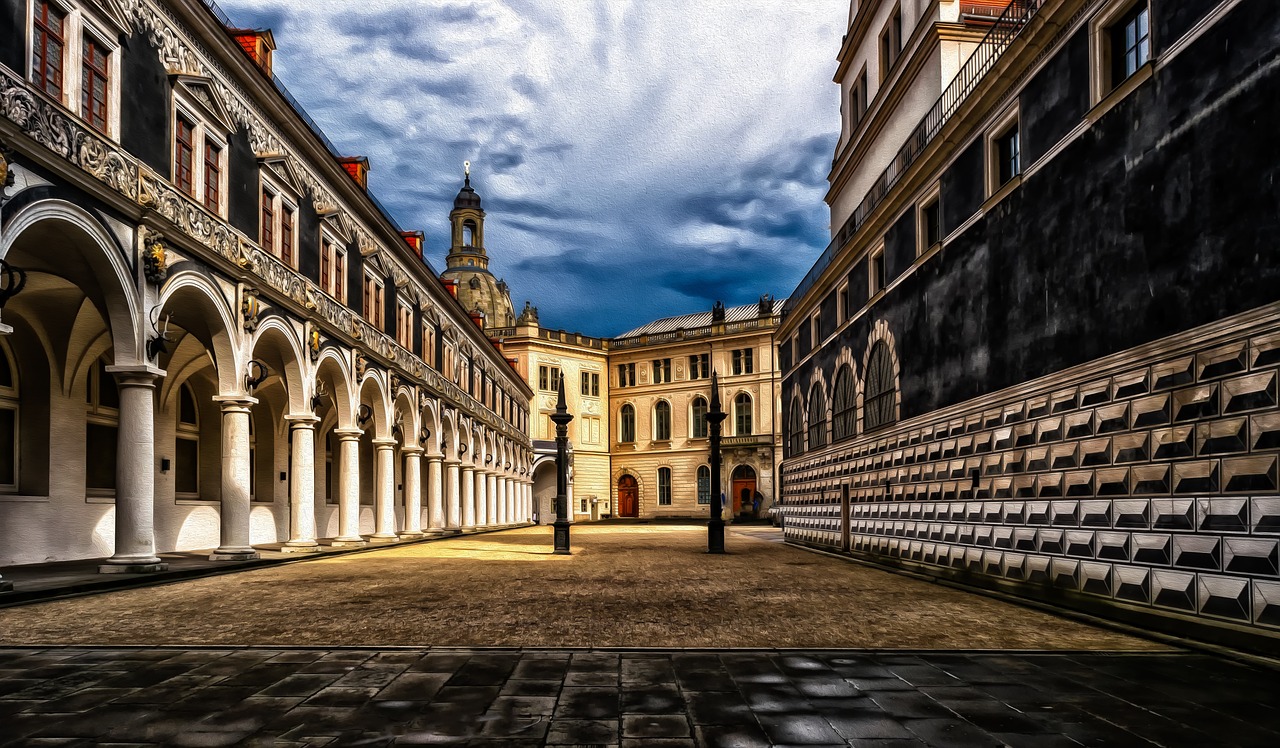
698,418
746,499
817,418
743,423
795,429
544,491
627,424
468,233
881,390
628,496
662,421
844,406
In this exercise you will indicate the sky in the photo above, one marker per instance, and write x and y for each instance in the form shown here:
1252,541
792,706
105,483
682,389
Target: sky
637,159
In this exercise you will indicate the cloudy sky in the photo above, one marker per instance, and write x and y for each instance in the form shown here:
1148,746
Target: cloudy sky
637,159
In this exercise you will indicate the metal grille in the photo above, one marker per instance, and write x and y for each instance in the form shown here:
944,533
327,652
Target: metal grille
845,423
881,391
817,419
796,430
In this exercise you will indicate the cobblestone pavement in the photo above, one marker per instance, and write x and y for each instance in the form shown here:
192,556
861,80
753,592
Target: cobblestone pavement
316,697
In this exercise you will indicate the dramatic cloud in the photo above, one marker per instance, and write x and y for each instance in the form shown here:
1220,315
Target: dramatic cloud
637,158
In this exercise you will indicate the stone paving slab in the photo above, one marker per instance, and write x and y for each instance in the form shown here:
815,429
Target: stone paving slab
539,697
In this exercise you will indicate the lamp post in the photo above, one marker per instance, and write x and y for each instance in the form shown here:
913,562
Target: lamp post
715,417
561,418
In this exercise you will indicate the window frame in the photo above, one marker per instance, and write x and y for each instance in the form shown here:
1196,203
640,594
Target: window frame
185,431
660,371
877,271
283,202
97,414
404,324
738,415
377,296
698,481
661,430
931,200
203,134
627,424
664,486
337,284
81,21
891,32
695,419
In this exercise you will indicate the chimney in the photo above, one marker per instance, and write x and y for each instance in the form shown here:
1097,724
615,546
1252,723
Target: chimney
416,240
358,168
451,286
477,317
258,44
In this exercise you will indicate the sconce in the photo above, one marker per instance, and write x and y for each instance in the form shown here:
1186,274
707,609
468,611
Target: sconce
507,466
257,374
488,459
159,343
12,279
320,395
364,414
424,435
462,449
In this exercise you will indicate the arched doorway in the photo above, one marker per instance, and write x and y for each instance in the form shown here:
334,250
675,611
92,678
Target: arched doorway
743,485
544,491
628,497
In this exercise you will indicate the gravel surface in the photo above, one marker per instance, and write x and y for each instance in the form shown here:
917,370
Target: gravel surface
624,586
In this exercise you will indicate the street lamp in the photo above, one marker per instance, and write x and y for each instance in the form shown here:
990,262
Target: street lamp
561,418
715,417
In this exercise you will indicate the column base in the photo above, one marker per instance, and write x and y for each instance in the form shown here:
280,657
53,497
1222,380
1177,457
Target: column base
301,546
234,554
356,542
132,568
436,531
412,535
469,530
382,538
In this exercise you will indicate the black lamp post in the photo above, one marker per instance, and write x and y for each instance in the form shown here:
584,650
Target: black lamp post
561,418
715,417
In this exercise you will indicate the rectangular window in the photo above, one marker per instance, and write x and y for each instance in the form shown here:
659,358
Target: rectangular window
664,486
700,366
549,378
843,301
878,278
287,219
50,47
626,375
186,465
404,324
373,301
743,361
590,384
890,43
94,86
100,457
1130,43
1008,155
267,231
661,370
858,99
212,177
429,345
931,224
184,154
704,485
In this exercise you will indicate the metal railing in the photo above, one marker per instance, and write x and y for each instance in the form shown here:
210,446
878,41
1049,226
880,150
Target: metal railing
695,333
1003,31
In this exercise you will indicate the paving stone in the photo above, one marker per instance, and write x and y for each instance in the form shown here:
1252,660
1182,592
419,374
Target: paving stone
655,726
591,679
582,732
647,671
868,725
652,699
341,697
299,684
732,736
541,668
531,688
588,703
658,743
801,729
719,708
413,687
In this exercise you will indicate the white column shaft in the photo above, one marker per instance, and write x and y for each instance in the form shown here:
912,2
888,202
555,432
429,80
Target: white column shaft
349,477
413,492
302,484
454,497
482,502
468,497
435,494
135,541
236,486
384,490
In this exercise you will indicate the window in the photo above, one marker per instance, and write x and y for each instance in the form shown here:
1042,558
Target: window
700,366
815,330
374,301
704,484
881,389
664,486
277,230
198,159
844,303
590,384
662,421
626,375
627,424
333,268
795,428
742,415
404,324
184,156
699,419
876,270
742,361
186,448
930,225
1008,155
95,79
890,43
468,233
103,414
9,407
858,94
549,378
844,406
817,418
50,43
1130,43
661,370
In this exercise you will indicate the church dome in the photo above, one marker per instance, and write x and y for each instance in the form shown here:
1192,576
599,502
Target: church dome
467,197
478,289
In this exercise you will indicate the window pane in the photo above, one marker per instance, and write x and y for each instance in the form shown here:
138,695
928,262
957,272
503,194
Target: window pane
100,456
186,463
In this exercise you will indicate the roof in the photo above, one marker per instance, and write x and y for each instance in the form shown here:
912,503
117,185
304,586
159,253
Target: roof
701,319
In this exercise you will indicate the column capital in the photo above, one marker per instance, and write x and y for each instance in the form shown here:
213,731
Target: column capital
235,403
302,421
412,450
385,443
136,375
348,434
430,457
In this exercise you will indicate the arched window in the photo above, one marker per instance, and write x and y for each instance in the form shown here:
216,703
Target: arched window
101,431
742,415
845,406
664,486
699,417
817,418
704,484
795,428
468,233
662,421
881,390
186,446
627,425
8,424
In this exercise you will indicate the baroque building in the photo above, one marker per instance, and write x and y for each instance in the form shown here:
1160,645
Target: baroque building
212,336
467,265
1040,353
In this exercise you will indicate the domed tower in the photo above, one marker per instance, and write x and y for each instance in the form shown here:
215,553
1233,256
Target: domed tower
468,263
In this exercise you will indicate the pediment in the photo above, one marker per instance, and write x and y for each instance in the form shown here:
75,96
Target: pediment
284,170
111,13
201,92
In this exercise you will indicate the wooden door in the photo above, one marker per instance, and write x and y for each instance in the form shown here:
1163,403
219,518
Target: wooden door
628,497
742,487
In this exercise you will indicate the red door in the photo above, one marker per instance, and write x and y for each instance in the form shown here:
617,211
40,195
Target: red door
628,494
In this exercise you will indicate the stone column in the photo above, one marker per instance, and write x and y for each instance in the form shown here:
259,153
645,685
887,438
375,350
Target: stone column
302,485
349,502
482,503
491,489
528,500
468,497
412,493
135,474
503,514
384,489
435,494
236,489
453,496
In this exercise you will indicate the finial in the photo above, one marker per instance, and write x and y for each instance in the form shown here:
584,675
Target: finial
466,171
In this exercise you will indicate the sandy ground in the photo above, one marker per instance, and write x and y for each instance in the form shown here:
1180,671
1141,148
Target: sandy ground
625,585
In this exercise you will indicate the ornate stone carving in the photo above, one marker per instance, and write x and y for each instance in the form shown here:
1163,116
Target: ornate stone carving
249,309
154,258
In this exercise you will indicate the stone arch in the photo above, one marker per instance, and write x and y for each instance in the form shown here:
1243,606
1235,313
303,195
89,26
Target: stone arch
818,389
406,415
880,333
89,258
276,343
333,369
846,359
448,443
373,393
200,309
429,418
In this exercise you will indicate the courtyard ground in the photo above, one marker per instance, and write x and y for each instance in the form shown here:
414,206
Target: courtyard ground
624,586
